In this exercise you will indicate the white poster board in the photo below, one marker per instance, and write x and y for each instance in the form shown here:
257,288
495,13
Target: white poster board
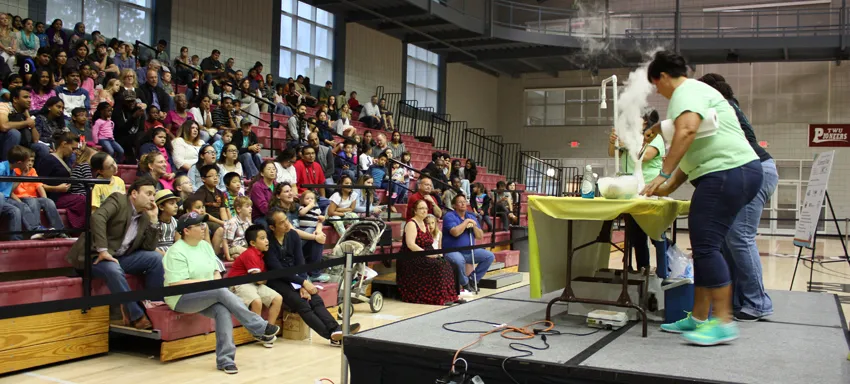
807,224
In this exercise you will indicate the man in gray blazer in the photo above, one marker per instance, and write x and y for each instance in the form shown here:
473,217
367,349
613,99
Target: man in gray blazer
124,236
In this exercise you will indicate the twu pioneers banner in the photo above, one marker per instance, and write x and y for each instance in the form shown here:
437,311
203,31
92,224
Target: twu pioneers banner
829,135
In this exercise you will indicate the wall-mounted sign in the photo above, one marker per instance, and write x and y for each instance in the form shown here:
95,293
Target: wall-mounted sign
829,135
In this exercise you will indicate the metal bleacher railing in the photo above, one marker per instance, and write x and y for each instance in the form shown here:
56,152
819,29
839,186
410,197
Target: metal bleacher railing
88,184
489,151
778,22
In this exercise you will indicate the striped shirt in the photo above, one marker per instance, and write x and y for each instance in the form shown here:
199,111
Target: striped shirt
166,234
80,171
311,219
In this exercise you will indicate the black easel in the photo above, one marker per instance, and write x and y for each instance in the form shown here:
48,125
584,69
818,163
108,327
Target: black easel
814,248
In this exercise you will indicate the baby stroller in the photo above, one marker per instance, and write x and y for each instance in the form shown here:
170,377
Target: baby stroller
361,238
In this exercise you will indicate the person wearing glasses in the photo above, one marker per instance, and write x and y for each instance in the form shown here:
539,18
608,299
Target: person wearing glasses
214,201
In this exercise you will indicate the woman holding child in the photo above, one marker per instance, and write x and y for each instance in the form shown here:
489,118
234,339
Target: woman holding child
423,279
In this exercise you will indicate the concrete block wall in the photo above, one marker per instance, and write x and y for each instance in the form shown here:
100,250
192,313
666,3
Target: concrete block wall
471,95
239,29
371,59
16,7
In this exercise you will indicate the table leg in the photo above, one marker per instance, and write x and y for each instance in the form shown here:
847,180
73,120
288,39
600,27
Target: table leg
568,294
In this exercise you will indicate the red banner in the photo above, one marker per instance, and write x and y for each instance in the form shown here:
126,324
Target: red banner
829,135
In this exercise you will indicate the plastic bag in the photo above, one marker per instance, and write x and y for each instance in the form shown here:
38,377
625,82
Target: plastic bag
681,265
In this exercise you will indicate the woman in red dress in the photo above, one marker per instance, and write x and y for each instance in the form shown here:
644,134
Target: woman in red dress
423,279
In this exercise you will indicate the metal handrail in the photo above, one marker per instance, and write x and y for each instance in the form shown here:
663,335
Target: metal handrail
494,159
809,21
88,184
440,122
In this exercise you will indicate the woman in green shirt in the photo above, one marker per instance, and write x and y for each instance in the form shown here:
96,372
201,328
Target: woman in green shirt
192,260
650,167
726,174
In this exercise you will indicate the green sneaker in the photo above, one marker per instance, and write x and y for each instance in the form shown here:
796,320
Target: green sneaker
687,324
712,333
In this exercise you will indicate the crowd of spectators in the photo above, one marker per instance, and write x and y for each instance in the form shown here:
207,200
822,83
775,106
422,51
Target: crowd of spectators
75,106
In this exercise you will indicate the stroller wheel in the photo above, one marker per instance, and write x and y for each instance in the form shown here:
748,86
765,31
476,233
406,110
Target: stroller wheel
376,302
339,313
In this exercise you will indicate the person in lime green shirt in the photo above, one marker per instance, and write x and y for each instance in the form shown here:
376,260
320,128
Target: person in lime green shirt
192,260
726,174
651,167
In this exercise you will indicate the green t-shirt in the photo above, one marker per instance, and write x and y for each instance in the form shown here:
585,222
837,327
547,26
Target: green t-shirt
651,168
726,149
185,262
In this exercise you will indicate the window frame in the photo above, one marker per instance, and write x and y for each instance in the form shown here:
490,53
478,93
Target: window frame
589,98
118,4
293,49
432,68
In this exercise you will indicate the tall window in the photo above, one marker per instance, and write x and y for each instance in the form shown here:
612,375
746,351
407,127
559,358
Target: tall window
306,42
567,106
422,76
128,20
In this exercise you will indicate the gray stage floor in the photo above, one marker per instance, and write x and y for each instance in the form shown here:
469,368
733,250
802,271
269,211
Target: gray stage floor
804,341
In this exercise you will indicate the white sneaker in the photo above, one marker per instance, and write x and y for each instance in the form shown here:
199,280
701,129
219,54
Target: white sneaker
466,293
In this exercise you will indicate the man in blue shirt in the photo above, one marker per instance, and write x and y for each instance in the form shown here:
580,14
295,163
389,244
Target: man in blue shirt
459,226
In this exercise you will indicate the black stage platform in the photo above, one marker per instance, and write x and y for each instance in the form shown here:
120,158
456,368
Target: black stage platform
805,341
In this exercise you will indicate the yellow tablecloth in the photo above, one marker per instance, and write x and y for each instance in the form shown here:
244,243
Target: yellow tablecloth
547,233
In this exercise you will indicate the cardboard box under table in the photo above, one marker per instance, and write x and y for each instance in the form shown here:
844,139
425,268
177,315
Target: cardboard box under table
583,227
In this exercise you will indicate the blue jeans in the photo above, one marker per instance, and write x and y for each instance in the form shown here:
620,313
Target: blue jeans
30,220
250,164
140,262
324,203
282,109
38,204
13,217
742,254
219,304
483,258
8,140
112,148
41,150
715,204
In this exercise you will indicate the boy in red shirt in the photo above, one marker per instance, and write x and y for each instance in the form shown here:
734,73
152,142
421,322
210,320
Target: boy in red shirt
256,295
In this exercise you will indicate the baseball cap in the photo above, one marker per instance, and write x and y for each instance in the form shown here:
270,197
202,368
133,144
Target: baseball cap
129,94
190,219
165,195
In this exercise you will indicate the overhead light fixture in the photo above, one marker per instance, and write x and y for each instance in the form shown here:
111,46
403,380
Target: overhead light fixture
550,172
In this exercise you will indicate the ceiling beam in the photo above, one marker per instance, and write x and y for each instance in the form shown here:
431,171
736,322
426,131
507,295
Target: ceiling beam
473,45
485,70
519,53
384,27
396,13
573,62
449,36
538,68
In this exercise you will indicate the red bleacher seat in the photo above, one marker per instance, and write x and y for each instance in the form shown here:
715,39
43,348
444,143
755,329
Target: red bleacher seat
32,255
510,258
40,290
175,325
127,173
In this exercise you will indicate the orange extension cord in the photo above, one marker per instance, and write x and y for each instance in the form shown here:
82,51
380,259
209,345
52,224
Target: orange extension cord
507,331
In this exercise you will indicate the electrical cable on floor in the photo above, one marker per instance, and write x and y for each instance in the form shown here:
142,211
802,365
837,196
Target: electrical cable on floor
525,333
